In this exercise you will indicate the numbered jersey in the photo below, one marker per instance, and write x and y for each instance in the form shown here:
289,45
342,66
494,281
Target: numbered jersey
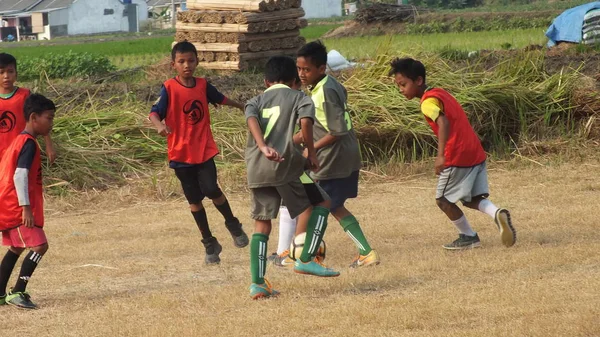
277,111
341,158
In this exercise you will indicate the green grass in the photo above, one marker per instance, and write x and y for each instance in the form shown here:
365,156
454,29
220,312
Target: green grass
314,32
368,47
512,6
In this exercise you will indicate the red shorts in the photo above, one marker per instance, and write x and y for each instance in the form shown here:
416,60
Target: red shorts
24,237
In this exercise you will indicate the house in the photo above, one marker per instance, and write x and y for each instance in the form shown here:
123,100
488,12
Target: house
45,19
318,9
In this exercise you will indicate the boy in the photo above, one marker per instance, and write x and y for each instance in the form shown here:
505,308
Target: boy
460,162
183,106
12,99
336,145
275,167
22,201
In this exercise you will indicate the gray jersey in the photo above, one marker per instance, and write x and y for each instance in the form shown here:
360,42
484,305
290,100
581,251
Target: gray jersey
277,111
341,158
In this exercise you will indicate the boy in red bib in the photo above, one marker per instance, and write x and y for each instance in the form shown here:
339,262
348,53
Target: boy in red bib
460,163
181,114
12,99
22,201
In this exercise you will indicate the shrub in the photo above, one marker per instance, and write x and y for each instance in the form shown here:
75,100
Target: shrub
66,65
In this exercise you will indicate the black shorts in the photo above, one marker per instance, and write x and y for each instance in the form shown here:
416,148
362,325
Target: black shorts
341,189
199,181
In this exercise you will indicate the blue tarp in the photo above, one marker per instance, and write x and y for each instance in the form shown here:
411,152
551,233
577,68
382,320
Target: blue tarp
567,26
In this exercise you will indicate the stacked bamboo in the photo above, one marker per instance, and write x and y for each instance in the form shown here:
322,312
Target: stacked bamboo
241,34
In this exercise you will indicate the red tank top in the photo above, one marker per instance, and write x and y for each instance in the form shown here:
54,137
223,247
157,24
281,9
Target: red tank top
191,140
12,121
463,148
11,214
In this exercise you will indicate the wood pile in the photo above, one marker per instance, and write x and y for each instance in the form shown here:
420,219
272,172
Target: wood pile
380,12
241,34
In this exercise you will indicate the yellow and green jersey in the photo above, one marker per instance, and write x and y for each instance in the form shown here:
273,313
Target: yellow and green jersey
341,158
278,111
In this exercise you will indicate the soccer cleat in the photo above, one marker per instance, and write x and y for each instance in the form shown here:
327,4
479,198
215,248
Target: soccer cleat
283,260
464,242
3,299
272,257
240,239
371,259
314,267
508,234
262,290
213,249
20,300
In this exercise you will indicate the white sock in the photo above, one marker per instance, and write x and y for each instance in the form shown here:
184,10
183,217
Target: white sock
488,208
287,229
463,226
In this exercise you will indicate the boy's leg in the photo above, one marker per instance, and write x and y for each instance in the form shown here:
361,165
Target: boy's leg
501,216
455,184
188,177
265,204
6,267
207,178
298,197
287,230
27,237
340,190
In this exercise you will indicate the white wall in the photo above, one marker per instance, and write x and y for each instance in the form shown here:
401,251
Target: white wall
322,8
87,16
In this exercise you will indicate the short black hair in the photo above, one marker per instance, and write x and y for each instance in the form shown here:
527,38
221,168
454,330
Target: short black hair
408,67
6,60
183,47
281,69
36,104
315,51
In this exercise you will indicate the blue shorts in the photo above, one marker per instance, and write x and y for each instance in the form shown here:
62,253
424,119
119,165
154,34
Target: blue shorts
341,189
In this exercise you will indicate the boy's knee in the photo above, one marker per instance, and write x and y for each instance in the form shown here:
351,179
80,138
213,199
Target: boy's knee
325,204
214,193
443,204
16,250
41,249
197,207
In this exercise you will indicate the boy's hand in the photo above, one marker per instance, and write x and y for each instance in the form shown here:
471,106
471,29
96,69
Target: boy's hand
298,139
313,162
50,152
271,154
439,164
163,130
28,217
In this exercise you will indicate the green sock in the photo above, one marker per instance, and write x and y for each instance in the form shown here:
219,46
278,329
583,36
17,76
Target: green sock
352,228
258,257
314,232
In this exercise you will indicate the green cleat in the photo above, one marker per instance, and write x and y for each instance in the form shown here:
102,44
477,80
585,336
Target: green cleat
20,300
264,290
3,299
314,267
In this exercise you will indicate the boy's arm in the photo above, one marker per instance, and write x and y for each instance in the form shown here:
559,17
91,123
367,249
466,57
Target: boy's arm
307,134
215,97
257,134
159,113
235,104
252,115
21,180
50,150
443,134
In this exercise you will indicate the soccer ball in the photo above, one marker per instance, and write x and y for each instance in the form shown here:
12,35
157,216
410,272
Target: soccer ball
298,244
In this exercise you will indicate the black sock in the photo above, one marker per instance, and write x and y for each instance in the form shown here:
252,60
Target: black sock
8,264
225,209
202,223
27,268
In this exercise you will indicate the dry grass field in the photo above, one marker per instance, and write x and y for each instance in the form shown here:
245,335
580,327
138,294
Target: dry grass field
122,268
